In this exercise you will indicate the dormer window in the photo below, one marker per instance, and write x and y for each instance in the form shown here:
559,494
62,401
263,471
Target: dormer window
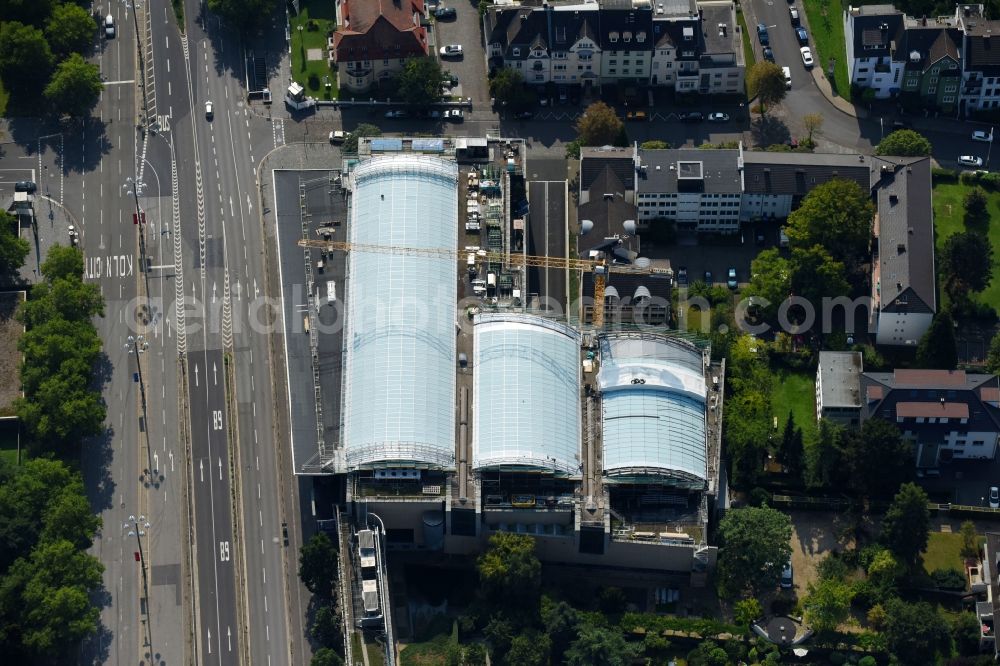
612,37
627,36
516,51
640,37
688,34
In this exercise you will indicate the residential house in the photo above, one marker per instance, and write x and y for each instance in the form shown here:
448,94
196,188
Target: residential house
574,48
720,62
838,387
904,296
775,183
931,55
698,190
374,38
625,35
988,611
947,414
676,25
981,60
873,34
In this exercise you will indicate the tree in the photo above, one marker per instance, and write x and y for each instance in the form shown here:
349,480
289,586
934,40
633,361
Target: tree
993,355
976,208
419,82
326,629
326,657
883,573
508,91
13,249
966,263
708,653
654,144
906,523
599,646
816,274
529,649
560,621
62,261
509,571
880,459
70,29
364,130
26,11
790,450
836,215
756,545
916,632
813,123
828,604
770,279
825,457
970,539
599,125
244,14
904,143
747,610
318,565
766,82
965,630
937,348
25,57
75,87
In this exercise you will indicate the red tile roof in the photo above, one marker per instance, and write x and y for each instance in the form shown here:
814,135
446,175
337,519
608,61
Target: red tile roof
875,393
951,410
929,378
989,394
380,29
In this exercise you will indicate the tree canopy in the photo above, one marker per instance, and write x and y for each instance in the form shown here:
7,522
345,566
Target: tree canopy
937,348
916,632
25,56
966,263
364,130
599,125
419,82
509,570
756,545
598,646
243,14
70,29
880,459
766,82
75,87
827,604
906,524
318,565
508,90
13,249
836,215
904,143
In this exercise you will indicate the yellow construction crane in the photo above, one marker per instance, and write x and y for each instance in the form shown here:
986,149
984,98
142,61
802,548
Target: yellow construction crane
599,267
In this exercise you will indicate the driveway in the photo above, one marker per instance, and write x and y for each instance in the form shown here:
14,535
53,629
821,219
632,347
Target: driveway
471,67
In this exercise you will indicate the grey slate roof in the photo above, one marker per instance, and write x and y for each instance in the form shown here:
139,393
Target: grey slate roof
607,213
671,33
719,169
905,231
931,387
876,28
714,15
797,173
982,47
933,44
622,21
593,162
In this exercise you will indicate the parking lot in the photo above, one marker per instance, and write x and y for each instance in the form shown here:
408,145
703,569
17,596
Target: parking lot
471,67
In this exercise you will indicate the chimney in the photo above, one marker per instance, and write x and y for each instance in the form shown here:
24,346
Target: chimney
923,21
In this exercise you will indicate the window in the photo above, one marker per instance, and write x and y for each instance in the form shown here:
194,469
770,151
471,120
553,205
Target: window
934,80
949,89
612,71
978,442
862,70
516,51
948,99
613,61
613,37
932,90
385,61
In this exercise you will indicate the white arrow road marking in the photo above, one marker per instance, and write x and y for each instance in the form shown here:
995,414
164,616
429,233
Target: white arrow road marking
196,374
210,641
229,636
201,470
220,469
215,374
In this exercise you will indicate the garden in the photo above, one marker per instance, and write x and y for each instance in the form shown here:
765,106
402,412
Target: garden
309,30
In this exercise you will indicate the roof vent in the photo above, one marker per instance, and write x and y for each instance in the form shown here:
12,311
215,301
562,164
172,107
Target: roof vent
657,167
909,230
900,248
893,199
861,158
914,56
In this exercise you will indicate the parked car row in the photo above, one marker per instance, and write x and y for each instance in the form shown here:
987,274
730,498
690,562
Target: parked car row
800,34
454,115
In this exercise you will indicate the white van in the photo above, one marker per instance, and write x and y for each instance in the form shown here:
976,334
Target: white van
109,26
788,77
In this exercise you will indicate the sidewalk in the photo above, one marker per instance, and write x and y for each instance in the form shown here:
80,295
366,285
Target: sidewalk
838,102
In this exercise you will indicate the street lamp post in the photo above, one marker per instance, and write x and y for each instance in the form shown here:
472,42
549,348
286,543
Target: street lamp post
989,150
136,526
142,63
137,345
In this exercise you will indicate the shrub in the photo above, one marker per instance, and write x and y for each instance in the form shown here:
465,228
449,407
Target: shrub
948,579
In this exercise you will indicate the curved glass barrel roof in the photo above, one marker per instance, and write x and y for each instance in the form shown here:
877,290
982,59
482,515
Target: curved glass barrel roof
399,366
652,408
525,394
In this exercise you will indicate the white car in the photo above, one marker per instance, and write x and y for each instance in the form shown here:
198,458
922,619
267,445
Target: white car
718,117
994,497
454,115
109,26
208,110
980,135
970,160
395,114
807,56
451,51
338,136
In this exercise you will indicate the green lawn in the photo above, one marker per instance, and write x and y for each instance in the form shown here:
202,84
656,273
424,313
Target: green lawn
8,442
795,392
317,20
948,220
748,57
826,32
943,551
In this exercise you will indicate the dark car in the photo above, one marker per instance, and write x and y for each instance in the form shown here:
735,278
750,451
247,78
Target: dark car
445,13
284,533
762,34
708,278
682,275
25,186
768,54
563,95
524,115
692,117
802,35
